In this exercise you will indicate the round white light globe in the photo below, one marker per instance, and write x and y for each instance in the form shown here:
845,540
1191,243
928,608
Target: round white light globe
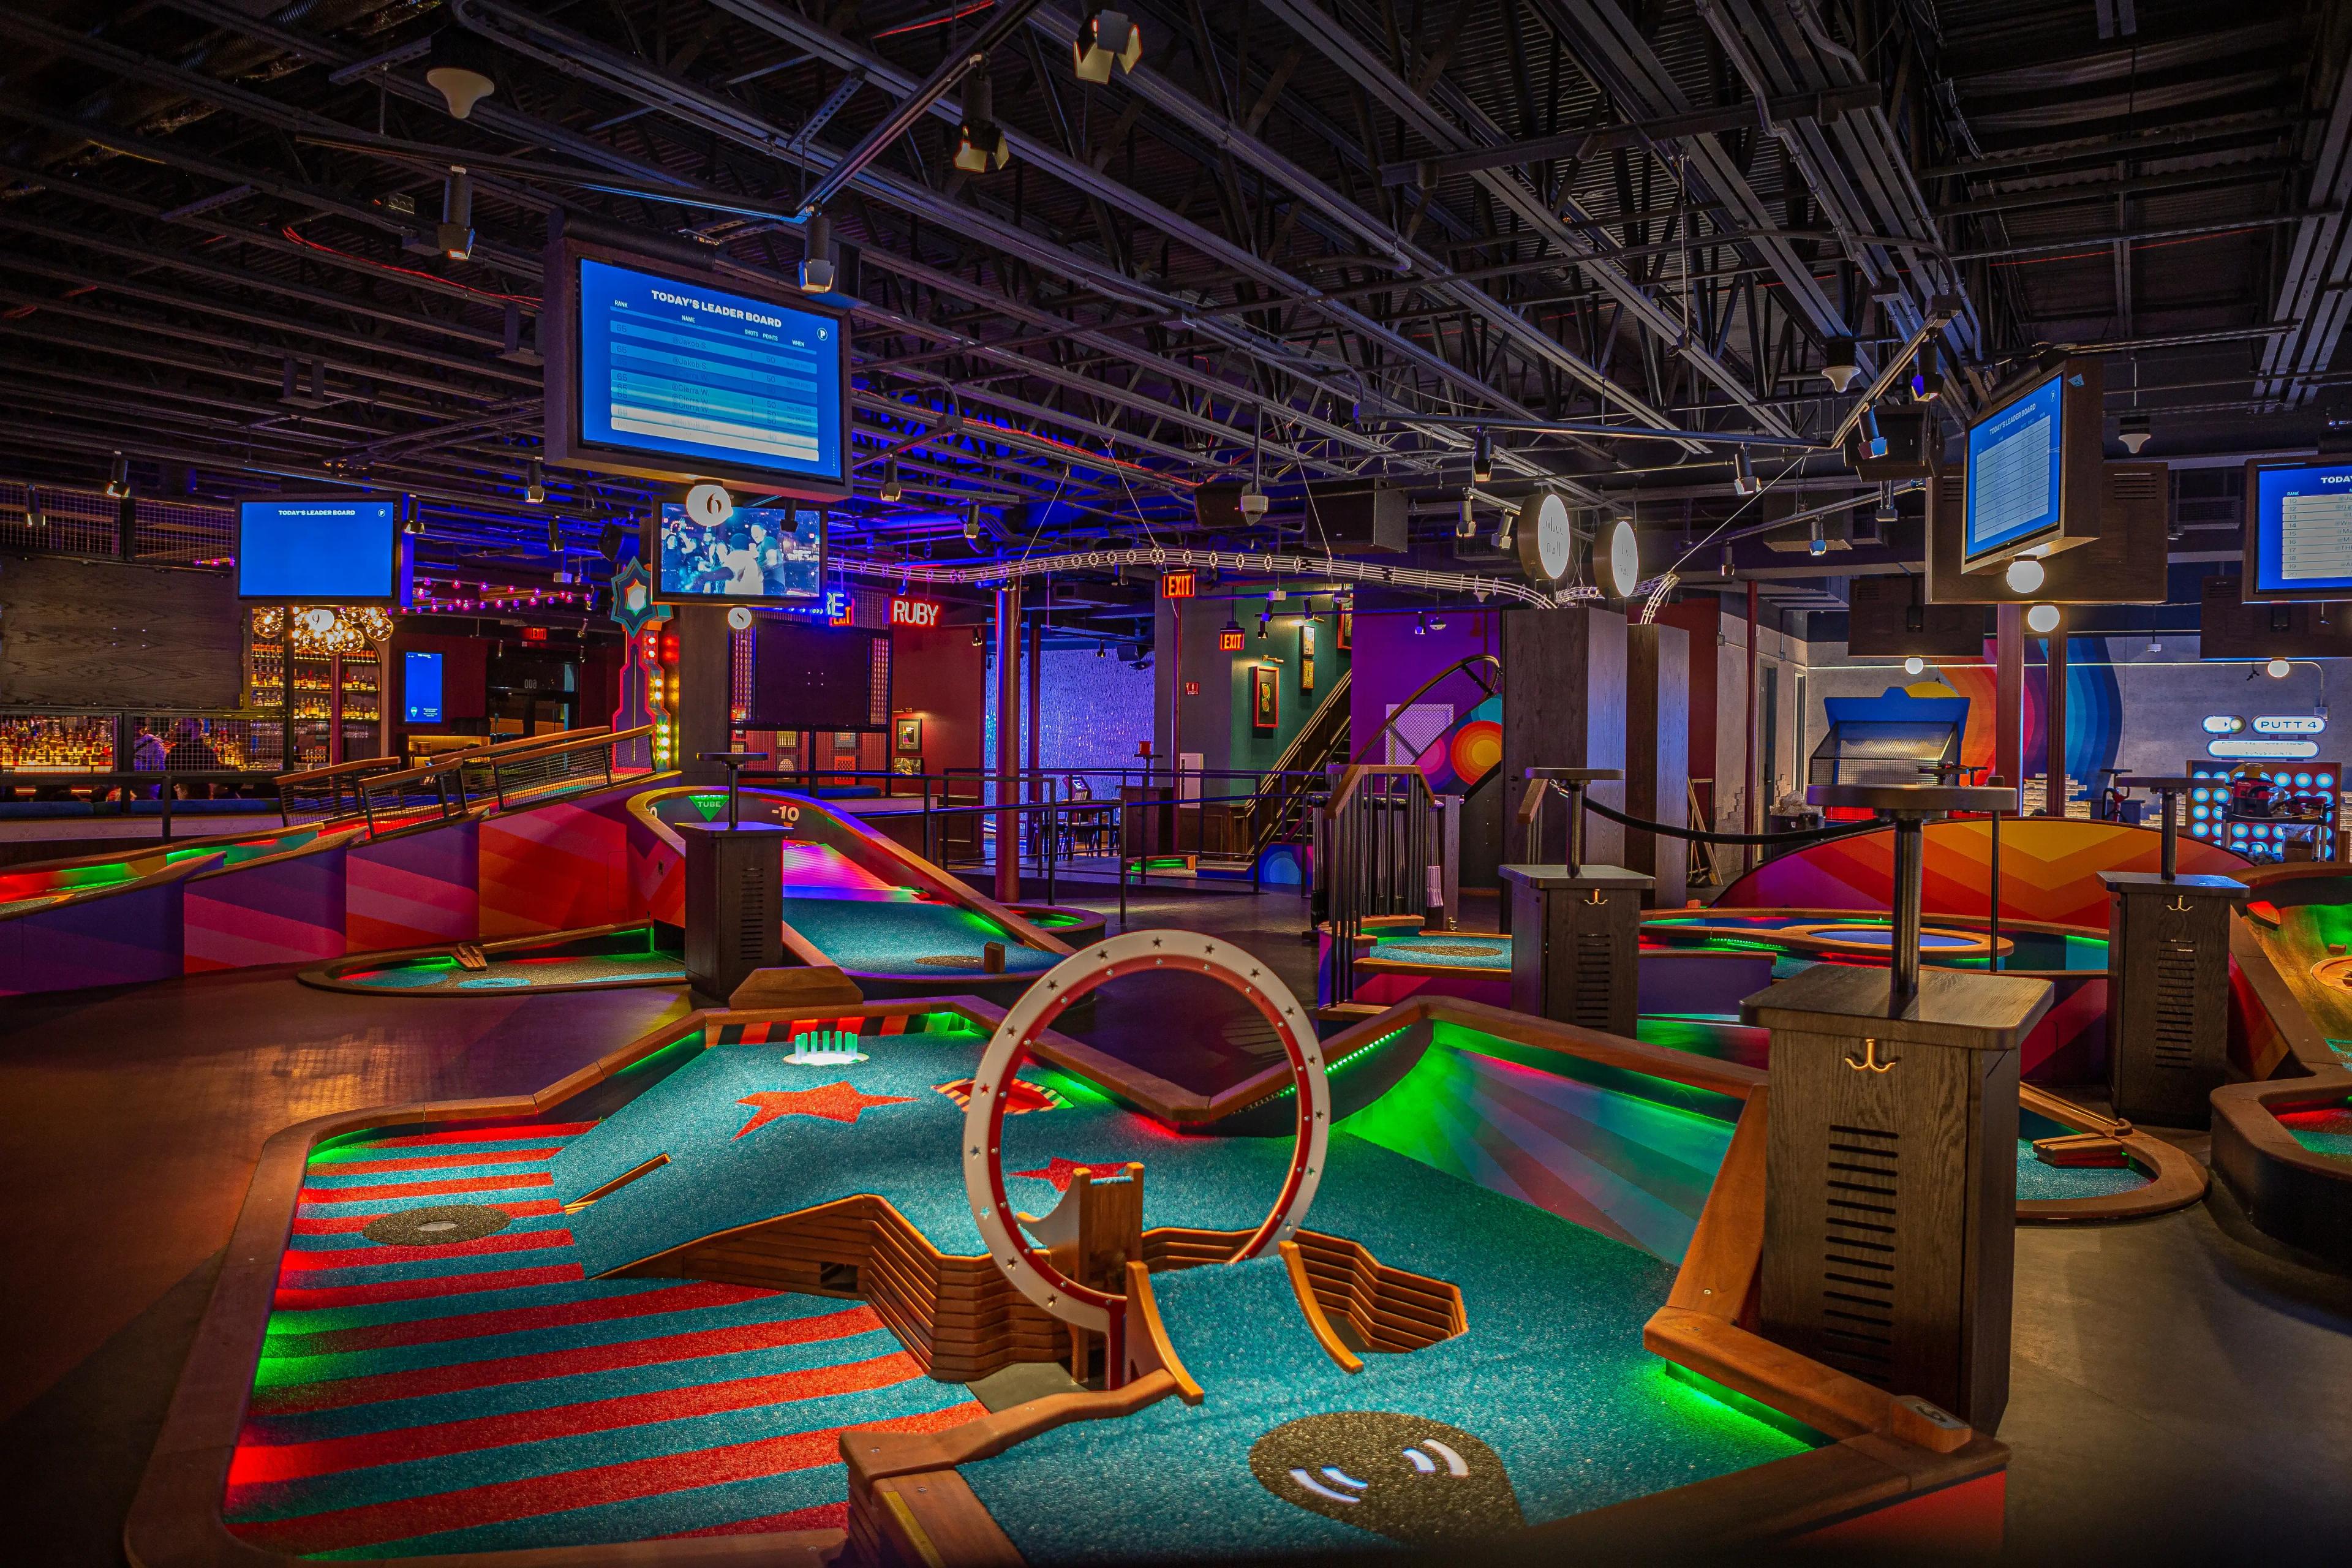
2026,575
2042,618
2277,668
1914,665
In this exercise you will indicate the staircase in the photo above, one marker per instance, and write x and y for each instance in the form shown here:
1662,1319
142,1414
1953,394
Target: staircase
1283,807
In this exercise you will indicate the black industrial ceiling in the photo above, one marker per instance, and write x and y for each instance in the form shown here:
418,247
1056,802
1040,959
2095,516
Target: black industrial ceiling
1304,238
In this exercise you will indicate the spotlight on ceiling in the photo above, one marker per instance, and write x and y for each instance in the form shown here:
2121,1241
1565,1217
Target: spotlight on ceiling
972,524
2136,432
1743,474
1437,620
118,477
1925,384
460,69
2025,575
1503,529
980,145
1915,665
534,482
1723,567
2277,668
415,525
1466,526
1264,620
817,273
555,536
2042,619
979,638
1817,543
1886,512
891,488
1420,624
1873,445
1482,459
455,237
1105,38
1840,364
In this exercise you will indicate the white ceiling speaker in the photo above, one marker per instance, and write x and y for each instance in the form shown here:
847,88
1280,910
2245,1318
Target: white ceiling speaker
1547,550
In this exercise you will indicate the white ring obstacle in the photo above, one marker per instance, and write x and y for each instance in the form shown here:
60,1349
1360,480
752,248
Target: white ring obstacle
1136,952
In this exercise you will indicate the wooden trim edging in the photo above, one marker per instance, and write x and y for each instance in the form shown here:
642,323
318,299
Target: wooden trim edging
2176,1179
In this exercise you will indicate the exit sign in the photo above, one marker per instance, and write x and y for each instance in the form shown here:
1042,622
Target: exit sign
1229,642
1176,585
1191,688
534,634
906,612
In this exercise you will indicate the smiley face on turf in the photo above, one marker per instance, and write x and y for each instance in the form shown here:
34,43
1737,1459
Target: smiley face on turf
1410,1479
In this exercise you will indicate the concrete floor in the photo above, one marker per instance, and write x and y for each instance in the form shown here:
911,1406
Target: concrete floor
2179,1389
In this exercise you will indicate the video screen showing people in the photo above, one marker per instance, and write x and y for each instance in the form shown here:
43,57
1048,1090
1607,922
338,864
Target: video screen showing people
759,552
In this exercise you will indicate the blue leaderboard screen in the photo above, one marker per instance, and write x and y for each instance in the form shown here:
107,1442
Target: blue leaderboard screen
707,377
420,685
319,550
2300,522
2016,464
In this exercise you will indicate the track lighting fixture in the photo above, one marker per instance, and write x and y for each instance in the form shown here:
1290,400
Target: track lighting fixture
891,488
1817,543
1482,459
980,140
1503,529
2136,432
1886,512
118,477
817,271
455,237
2025,575
1723,567
1466,527
458,69
1106,38
1873,445
978,637
1840,364
33,520
972,524
1925,384
414,525
1420,624
555,536
1743,474
1265,621
534,482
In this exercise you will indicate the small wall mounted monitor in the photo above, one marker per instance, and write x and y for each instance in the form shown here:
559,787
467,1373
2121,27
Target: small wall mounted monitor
420,689
662,374
2298,530
342,549
758,556
2016,487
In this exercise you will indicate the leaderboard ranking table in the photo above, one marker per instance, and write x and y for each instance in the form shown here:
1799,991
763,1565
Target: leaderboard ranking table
2316,536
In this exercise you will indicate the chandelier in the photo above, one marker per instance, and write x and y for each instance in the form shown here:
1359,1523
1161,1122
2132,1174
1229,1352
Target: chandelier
326,628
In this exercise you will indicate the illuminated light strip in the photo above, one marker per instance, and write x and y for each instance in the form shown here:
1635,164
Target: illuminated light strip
1239,563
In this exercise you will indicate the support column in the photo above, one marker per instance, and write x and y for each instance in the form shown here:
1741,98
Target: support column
1570,664
2008,702
2053,716
1750,814
1008,741
1657,757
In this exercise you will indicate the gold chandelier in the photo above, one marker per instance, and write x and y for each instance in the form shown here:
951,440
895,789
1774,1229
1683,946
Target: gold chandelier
326,628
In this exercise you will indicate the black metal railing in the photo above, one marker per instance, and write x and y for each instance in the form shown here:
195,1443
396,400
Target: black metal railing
1373,858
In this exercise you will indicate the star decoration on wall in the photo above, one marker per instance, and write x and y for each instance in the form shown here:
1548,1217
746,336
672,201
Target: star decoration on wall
1059,1172
840,1101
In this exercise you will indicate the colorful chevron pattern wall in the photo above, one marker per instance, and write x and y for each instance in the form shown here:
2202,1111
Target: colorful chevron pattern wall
1634,1169
474,1395
2049,871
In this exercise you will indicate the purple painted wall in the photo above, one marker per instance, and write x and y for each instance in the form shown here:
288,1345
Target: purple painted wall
1390,659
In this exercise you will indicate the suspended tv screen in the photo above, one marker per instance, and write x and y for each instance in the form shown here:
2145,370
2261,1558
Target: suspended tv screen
808,677
664,374
2035,468
756,556
337,549
2298,530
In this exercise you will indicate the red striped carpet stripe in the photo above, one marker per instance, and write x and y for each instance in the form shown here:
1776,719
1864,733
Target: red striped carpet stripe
257,1464
483,1135
427,1161
511,1321
308,1262
421,1381
370,1523
343,1224
425,1189
291,1299
823,1516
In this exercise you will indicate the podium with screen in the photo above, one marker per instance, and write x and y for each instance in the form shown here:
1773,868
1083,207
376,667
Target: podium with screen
2298,530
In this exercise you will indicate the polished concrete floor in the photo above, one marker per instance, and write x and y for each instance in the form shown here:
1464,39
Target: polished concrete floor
2181,1390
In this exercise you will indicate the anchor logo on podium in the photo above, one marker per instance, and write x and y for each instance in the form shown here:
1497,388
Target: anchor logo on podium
2180,904
1869,1061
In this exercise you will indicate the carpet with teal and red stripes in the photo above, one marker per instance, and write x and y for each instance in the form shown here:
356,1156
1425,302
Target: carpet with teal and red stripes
484,1394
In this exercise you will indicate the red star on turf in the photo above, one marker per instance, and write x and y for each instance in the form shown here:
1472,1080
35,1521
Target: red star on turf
1059,1171
834,1102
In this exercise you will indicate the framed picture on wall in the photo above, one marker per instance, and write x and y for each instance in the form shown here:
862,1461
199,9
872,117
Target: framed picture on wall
1307,663
1265,697
910,766
907,731
1344,638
